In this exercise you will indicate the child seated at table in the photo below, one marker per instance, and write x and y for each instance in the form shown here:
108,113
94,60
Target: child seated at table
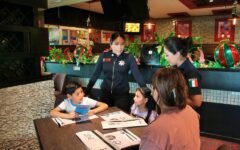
144,105
74,101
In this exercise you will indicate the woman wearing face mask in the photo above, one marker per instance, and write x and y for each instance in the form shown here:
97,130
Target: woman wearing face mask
116,65
176,50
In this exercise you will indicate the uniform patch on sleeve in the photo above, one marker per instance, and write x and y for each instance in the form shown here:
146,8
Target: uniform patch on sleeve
193,82
106,59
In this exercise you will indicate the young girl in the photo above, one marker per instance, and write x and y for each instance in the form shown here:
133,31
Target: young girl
177,127
76,98
144,105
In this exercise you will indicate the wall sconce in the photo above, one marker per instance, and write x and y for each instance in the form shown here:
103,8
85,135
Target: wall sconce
222,35
89,30
174,22
149,25
234,12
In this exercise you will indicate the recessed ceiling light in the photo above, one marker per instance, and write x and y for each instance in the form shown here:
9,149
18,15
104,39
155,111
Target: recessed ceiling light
54,1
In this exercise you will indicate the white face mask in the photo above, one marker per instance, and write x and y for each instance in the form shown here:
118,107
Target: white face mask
118,46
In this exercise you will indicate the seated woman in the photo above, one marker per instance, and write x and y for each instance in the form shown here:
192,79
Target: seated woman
76,98
144,105
177,127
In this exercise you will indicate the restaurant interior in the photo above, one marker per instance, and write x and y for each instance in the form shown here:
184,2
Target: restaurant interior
44,38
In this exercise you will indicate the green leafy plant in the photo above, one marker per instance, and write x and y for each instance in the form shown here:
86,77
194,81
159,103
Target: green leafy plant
212,64
160,48
56,54
85,56
163,60
134,48
197,40
160,40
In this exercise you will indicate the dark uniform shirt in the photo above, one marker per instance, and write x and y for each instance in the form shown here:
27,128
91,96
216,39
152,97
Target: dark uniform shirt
115,72
192,77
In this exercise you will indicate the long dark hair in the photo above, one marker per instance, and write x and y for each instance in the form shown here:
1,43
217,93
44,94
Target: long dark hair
175,44
171,87
115,35
151,104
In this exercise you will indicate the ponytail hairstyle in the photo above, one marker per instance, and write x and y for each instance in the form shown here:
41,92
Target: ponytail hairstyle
175,44
171,87
71,87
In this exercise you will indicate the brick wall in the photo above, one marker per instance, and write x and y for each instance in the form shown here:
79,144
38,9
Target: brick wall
203,26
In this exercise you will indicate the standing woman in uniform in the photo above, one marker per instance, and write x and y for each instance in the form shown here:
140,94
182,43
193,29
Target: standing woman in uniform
115,65
176,50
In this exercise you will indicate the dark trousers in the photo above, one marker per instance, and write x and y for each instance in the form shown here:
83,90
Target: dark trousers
121,101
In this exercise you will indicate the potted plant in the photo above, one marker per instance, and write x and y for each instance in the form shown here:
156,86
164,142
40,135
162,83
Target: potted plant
160,48
134,48
56,54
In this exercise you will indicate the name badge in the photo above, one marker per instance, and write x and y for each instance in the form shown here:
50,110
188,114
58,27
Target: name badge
106,59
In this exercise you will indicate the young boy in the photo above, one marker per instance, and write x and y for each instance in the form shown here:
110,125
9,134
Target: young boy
76,98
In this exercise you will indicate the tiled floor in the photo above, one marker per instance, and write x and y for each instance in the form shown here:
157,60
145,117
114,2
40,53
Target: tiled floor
215,144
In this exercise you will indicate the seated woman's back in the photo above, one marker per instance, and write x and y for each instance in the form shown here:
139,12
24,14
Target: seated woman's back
176,130
177,127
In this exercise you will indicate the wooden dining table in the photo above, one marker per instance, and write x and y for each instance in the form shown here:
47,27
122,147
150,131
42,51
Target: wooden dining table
53,137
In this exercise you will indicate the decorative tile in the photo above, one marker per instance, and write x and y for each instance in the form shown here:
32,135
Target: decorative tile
209,95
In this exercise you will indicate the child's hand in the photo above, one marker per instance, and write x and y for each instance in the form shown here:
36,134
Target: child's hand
73,114
90,113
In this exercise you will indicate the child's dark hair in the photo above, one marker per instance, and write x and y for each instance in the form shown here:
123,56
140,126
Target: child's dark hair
151,104
115,35
175,44
71,87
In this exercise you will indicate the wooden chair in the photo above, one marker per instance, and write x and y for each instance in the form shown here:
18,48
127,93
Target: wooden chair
59,86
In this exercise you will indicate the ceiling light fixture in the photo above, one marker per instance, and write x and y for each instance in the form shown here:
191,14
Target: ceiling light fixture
89,20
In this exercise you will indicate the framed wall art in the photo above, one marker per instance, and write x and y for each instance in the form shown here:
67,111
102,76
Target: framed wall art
183,29
148,32
65,37
95,36
224,29
54,36
105,36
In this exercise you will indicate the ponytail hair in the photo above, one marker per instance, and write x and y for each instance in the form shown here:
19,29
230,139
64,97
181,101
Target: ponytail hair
151,104
175,44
